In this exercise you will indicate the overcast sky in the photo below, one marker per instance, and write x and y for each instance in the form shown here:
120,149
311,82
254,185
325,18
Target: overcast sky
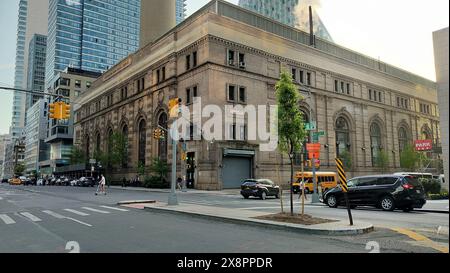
398,32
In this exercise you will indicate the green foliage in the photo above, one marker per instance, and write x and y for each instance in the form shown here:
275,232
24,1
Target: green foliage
431,186
346,158
409,158
160,168
77,156
382,161
19,169
117,150
155,182
141,169
291,129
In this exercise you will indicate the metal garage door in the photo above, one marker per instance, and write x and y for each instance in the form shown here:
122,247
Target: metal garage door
235,170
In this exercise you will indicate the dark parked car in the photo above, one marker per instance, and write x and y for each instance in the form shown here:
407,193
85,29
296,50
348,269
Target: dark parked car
86,182
259,188
4,180
387,192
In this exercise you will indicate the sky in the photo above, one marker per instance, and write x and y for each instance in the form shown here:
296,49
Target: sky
398,32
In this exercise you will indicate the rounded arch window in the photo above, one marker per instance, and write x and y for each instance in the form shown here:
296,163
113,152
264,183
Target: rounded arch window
126,143
98,144
375,142
162,144
142,141
403,139
87,151
342,136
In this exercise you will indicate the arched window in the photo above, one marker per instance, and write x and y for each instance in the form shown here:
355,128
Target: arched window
98,147
403,139
426,133
88,152
342,137
125,136
375,142
162,145
142,141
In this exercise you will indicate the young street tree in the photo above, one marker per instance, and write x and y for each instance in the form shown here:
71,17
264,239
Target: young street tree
291,128
409,158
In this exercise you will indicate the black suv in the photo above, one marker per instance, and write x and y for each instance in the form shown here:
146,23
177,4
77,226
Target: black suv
259,188
387,192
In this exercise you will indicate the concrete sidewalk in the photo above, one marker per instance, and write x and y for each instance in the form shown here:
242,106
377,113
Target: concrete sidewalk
247,217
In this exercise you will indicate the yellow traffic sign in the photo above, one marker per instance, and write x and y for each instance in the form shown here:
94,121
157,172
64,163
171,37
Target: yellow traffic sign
342,176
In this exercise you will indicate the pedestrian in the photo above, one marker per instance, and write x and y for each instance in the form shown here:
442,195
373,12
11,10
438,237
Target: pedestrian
179,180
124,182
302,188
101,186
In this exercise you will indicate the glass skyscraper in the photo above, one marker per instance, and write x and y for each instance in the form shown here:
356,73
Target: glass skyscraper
32,20
181,10
284,11
92,35
36,68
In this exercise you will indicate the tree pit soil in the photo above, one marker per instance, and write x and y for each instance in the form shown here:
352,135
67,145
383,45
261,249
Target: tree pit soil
305,219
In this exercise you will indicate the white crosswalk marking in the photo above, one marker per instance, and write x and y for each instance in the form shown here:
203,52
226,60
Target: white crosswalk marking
54,214
106,207
59,216
30,216
96,210
7,219
1,198
77,212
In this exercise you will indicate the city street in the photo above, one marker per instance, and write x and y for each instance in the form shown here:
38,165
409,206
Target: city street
46,219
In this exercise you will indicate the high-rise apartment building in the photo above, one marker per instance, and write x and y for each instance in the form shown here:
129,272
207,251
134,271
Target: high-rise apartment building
180,10
4,140
71,83
90,35
36,69
440,39
36,149
32,20
285,12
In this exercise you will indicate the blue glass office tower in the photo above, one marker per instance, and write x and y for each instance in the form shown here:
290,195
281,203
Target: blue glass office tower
284,12
92,35
181,10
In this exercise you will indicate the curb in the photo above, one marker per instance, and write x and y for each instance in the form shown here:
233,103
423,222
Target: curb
433,211
268,224
136,202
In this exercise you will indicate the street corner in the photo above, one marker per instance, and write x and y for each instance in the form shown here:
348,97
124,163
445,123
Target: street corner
137,204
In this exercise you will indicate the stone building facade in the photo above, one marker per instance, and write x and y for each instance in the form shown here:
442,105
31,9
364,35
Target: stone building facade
228,56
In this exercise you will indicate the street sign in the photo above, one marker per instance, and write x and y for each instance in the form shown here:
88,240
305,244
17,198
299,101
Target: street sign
311,126
343,180
424,145
315,138
314,155
319,134
92,161
313,147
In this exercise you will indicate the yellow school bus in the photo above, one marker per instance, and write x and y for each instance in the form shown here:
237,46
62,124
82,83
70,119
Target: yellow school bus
326,180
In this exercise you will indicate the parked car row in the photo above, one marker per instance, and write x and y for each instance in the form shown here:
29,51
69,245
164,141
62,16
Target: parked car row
387,192
53,181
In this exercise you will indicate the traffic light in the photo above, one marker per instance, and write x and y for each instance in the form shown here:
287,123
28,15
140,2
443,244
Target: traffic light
65,111
55,111
158,134
174,107
51,111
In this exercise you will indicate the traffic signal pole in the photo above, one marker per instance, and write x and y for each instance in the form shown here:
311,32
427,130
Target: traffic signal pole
173,199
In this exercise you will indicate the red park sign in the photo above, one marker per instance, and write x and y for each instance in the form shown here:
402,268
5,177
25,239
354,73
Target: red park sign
424,145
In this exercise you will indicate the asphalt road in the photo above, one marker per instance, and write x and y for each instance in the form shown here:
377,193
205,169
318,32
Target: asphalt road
46,219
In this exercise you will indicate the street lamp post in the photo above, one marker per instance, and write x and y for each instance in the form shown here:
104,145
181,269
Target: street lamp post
173,199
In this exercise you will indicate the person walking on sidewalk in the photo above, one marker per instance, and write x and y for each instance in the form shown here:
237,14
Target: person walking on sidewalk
101,186
302,187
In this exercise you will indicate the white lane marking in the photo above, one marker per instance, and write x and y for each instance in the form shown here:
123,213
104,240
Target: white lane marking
8,220
77,212
30,216
54,214
78,221
59,216
106,207
96,210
